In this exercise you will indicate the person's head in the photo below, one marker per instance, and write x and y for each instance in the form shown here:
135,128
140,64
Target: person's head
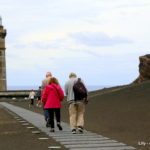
72,75
39,87
53,80
48,74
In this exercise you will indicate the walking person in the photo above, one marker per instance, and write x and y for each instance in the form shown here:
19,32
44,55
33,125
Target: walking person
38,95
31,98
45,82
52,97
76,105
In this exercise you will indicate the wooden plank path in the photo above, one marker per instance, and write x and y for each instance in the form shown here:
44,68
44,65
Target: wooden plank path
85,141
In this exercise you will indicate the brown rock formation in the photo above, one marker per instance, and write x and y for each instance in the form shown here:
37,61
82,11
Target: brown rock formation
144,69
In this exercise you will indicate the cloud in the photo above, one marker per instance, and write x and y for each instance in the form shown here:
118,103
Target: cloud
88,37
99,39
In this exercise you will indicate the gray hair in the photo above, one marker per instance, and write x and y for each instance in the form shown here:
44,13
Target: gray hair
72,75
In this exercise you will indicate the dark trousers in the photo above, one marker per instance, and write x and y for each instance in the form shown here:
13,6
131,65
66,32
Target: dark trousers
52,112
32,101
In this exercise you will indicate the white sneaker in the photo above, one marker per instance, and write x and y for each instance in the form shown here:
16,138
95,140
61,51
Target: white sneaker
73,131
80,129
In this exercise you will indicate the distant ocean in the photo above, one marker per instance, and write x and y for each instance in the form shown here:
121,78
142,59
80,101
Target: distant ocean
90,87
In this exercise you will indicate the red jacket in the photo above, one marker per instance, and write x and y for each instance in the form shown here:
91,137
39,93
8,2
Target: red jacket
52,96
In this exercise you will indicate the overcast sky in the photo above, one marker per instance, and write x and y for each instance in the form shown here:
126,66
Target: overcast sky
100,40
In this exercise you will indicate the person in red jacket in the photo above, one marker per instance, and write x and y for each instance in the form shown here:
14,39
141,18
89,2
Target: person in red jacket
52,97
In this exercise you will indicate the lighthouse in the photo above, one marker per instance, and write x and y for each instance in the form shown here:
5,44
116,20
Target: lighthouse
3,81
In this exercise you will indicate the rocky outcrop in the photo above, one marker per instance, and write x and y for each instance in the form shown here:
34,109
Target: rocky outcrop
144,69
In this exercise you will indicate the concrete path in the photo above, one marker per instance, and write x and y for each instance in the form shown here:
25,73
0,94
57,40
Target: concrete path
86,141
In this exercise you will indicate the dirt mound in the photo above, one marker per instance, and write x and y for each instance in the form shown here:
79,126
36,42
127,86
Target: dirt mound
122,113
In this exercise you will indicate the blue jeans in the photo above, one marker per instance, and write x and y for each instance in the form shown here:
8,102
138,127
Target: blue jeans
46,114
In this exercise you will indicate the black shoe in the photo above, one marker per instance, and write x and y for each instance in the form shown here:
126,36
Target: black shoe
80,129
52,130
73,131
59,127
47,123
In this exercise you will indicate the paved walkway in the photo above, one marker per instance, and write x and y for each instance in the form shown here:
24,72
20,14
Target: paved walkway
86,141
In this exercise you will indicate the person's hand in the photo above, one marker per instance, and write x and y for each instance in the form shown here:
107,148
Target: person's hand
86,101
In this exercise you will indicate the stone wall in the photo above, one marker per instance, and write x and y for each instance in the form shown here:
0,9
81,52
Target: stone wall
14,94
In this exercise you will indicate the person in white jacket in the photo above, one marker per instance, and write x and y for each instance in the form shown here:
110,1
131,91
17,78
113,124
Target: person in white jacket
31,98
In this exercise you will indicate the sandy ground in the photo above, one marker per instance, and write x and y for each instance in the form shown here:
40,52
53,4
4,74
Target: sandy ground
120,113
14,136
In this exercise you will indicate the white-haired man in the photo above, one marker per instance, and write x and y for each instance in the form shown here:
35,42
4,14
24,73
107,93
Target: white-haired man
44,84
46,80
76,106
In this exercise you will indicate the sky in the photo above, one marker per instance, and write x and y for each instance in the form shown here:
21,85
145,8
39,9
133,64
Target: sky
99,40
